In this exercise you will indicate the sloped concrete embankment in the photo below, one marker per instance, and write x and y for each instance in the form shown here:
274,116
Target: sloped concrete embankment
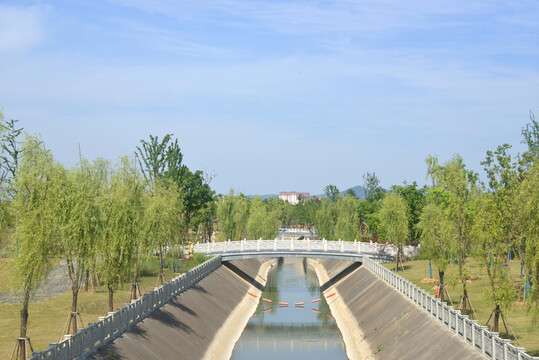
204,322
377,322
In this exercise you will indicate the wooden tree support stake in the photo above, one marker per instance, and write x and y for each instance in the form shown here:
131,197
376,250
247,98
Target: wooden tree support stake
20,351
69,321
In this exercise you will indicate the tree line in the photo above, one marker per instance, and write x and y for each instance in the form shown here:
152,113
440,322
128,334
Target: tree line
456,216
100,217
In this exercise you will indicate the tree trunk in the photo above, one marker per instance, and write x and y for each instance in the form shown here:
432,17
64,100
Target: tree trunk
24,313
161,262
74,310
111,298
464,298
497,318
442,290
22,349
86,280
24,323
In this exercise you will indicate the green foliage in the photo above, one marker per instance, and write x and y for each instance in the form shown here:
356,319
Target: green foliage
9,154
415,201
493,248
436,236
233,213
332,193
394,219
122,228
530,133
34,209
460,194
373,190
326,219
263,221
346,227
528,200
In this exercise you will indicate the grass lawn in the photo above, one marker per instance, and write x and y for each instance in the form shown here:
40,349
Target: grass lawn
47,318
525,329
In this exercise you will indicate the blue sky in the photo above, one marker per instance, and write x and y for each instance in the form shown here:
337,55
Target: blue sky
274,95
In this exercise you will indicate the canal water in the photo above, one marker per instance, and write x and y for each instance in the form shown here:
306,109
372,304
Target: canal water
280,331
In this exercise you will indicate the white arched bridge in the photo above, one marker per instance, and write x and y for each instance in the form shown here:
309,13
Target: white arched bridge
338,249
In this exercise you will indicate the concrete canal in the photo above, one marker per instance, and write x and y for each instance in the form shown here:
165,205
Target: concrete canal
291,326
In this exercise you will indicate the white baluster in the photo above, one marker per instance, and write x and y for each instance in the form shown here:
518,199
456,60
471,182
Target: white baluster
325,244
291,245
342,246
258,245
275,245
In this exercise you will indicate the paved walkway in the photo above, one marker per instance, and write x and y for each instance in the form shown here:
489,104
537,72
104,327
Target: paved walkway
57,282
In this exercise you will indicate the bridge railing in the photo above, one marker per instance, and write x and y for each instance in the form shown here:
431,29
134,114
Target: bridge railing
489,344
323,245
108,328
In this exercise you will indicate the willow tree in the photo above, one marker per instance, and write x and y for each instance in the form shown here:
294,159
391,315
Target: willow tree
35,215
436,239
346,226
123,220
493,247
326,218
162,222
528,200
394,220
263,222
460,201
81,224
233,214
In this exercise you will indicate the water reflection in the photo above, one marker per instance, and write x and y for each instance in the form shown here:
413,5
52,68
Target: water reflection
291,331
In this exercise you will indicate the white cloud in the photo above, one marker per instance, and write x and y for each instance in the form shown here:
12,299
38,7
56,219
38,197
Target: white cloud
21,27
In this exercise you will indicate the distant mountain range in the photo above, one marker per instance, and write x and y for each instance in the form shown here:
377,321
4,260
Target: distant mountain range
359,190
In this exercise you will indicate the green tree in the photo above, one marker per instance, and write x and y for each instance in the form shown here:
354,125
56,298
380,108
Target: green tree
263,221
436,239
460,193
35,214
394,220
233,213
326,219
80,222
121,206
528,200
332,193
493,247
415,201
346,227
371,185
162,219
530,133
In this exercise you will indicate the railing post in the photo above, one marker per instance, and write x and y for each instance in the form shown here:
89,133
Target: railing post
291,244
325,244
275,245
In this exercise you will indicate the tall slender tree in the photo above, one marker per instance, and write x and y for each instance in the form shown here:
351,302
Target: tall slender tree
394,220
35,215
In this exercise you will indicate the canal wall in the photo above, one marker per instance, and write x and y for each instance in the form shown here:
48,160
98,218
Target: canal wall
378,322
203,322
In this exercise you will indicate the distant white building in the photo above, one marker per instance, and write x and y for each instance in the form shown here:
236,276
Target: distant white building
294,197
